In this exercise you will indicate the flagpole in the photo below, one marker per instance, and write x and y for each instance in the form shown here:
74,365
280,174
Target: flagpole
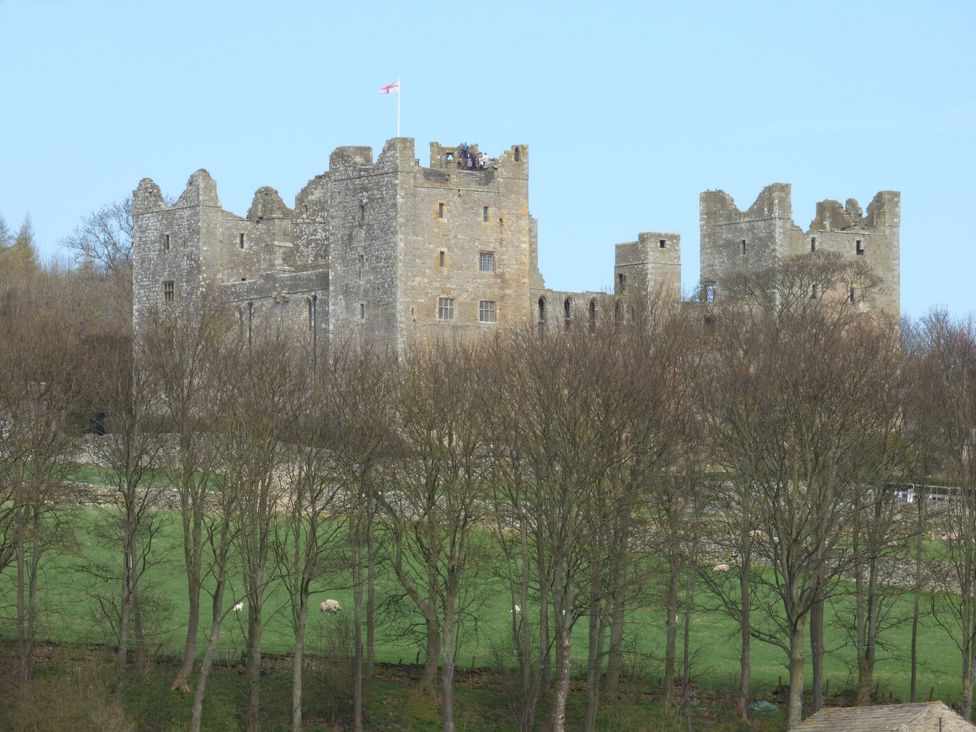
398,106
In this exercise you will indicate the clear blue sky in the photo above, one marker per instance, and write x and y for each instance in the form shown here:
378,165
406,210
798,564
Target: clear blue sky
629,109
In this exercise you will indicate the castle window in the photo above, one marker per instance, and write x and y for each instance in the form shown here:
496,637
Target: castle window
486,261
441,259
484,214
362,213
621,282
858,248
169,291
851,295
240,242
542,310
486,311
592,315
440,210
362,311
518,154
814,291
743,247
709,292
165,242
813,243
362,264
568,311
661,243
445,308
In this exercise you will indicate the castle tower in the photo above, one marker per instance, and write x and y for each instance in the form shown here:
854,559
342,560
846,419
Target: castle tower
649,267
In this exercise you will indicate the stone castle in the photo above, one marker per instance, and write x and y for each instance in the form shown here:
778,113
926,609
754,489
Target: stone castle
389,249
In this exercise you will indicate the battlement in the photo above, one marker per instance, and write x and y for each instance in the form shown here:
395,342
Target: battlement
883,211
773,202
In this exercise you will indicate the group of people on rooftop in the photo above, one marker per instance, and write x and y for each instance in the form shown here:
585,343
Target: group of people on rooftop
471,160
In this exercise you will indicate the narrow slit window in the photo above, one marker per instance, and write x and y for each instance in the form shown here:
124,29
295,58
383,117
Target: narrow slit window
743,247
362,311
813,243
621,282
858,247
165,242
484,214
441,259
440,210
814,291
362,264
362,213
851,295
240,241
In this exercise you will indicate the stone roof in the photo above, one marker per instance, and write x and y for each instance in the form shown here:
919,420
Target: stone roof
926,717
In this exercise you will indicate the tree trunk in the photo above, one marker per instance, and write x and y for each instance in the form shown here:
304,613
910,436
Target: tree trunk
447,676
297,666
208,656
357,626
618,609
192,554
671,635
428,679
529,681
125,611
795,710
745,638
564,610
594,654
370,597
254,629
817,648
545,660
141,654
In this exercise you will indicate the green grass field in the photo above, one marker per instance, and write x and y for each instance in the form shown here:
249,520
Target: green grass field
70,615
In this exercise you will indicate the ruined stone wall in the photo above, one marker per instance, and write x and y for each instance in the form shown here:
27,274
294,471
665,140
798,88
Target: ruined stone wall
733,241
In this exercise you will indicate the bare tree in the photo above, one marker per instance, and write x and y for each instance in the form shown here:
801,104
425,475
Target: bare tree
439,497
308,536
131,449
42,362
951,376
812,399
183,344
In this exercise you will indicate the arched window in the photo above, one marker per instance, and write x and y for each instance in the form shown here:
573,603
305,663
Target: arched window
542,310
518,154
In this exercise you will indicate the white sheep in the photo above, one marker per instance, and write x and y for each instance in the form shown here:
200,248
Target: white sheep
330,606
721,568
239,606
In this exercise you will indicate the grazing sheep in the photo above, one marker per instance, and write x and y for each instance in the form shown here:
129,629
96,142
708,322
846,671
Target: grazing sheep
239,606
721,568
516,609
330,606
